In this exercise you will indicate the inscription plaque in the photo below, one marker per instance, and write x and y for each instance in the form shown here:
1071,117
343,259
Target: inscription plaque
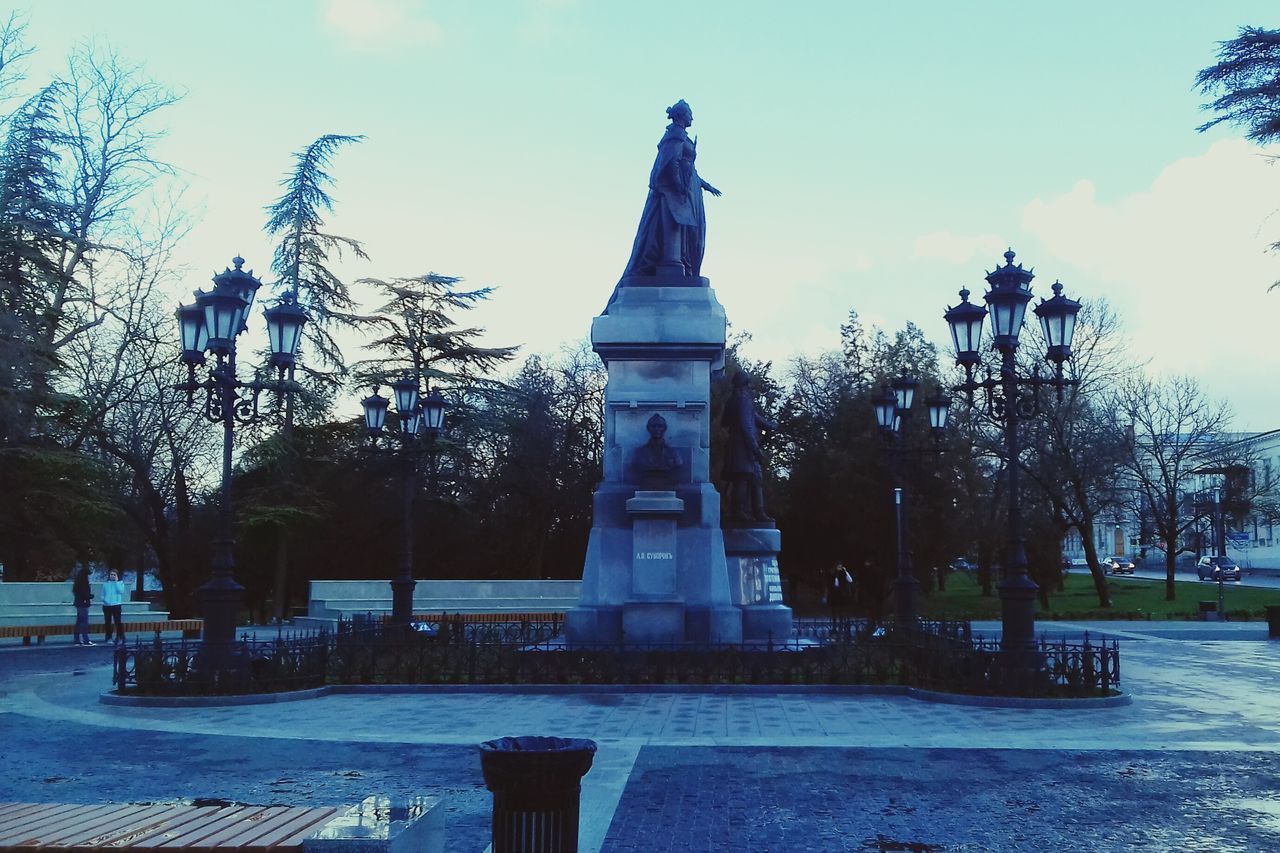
653,566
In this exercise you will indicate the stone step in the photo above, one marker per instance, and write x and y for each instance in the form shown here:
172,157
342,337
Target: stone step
69,618
68,607
45,593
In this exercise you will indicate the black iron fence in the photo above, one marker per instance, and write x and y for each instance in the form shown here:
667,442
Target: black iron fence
249,665
941,656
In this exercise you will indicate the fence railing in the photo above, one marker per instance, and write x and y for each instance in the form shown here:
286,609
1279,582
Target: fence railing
942,656
248,665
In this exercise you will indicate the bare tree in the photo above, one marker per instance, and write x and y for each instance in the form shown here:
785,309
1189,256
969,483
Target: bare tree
1172,432
1081,449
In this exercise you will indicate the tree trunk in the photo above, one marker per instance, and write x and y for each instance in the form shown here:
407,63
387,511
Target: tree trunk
1170,560
1100,584
280,589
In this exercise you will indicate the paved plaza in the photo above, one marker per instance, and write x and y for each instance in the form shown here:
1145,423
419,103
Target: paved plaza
1191,763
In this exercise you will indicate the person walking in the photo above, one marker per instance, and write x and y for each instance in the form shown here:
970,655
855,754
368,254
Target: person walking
81,595
113,594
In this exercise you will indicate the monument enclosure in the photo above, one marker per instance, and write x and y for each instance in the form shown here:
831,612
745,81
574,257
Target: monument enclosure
659,568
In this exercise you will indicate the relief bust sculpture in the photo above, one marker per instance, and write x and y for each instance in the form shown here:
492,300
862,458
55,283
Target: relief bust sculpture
673,226
655,461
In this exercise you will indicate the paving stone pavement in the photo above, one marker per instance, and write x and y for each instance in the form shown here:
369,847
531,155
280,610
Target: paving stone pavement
1193,763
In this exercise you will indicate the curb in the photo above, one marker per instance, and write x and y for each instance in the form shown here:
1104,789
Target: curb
915,693
212,701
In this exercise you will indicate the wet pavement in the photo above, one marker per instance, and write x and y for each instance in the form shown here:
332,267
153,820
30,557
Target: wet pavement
1192,763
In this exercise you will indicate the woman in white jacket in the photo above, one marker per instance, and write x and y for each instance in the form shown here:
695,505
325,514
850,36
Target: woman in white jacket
113,593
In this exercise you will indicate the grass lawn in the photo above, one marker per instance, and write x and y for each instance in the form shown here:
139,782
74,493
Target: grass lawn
1131,599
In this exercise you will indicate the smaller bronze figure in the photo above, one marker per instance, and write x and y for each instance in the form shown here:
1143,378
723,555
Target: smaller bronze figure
742,463
655,461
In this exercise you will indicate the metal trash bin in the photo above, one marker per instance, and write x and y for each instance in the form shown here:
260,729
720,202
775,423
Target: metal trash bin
1209,611
1273,621
537,785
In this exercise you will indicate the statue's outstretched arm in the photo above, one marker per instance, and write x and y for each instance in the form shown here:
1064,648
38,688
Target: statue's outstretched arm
706,186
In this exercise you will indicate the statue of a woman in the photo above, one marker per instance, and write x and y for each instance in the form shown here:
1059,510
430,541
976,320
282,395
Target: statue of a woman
673,227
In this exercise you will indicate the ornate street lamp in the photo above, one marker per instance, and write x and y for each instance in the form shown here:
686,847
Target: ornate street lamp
1220,548
893,409
1009,399
417,416
433,406
375,413
212,325
939,408
284,332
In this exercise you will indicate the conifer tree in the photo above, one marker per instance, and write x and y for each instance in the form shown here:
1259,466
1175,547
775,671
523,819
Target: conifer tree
32,227
301,262
304,253
1246,81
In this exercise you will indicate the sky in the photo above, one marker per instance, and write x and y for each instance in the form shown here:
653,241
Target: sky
873,156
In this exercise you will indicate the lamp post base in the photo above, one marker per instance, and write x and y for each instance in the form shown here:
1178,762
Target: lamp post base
402,600
220,601
906,597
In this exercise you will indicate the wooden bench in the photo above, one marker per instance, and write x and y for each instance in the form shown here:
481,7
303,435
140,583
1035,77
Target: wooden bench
188,627
250,829
485,618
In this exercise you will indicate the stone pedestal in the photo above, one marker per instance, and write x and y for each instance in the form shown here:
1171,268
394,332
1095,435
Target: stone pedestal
654,612
751,555
661,339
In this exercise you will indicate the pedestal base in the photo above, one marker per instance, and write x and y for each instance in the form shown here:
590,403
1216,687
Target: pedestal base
713,625
648,623
751,555
590,625
771,622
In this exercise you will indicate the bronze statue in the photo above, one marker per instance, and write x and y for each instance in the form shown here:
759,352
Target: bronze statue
742,462
655,460
673,226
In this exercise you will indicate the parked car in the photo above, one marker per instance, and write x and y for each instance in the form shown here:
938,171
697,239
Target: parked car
1209,568
1118,565
962,564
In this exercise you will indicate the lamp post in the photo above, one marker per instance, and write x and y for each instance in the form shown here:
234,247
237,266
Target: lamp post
421,420
893,411
1220,547
1009,399
211,326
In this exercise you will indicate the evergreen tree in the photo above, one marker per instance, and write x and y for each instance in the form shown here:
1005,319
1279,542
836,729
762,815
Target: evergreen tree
304,253
32,226
1246,82
420,336
301,263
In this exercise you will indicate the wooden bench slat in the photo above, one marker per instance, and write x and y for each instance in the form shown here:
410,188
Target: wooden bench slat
194,823
242,832
13,812
82,822
48,818
261,835
211,835
26,632
300,820
304,831
191,835
185,823
161,828
96,831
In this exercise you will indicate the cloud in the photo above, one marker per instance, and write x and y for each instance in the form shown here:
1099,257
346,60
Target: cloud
1186,263
381,24
959,248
